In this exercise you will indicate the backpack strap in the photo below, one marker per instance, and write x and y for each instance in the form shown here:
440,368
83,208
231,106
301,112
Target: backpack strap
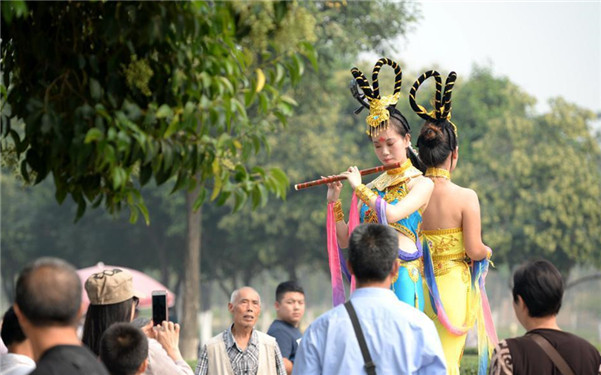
370,366
552,353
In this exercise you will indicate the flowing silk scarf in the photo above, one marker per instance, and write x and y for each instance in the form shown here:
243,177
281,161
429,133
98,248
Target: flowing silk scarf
487,336
336,260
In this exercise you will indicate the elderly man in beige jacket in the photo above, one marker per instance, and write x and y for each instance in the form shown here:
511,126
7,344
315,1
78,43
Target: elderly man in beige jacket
241,349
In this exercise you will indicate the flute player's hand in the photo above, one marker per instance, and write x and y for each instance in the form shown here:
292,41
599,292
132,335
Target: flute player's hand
353,176
334,189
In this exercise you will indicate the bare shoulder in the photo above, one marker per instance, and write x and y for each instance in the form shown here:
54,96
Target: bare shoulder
422,182
466,194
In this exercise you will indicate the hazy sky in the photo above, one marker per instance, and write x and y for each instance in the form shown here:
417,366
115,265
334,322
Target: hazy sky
547,48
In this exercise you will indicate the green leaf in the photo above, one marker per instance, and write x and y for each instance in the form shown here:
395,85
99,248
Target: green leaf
118,176
298,62
239,200
263,102
280,73
96,90
311,54
60,194
289,100
145,173
144,210
282,181
81,209
249,97
199,199
164,111
24,171
174,126
133,214
256,196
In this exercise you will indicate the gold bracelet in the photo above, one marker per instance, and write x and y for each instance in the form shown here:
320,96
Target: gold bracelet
364,193
338,213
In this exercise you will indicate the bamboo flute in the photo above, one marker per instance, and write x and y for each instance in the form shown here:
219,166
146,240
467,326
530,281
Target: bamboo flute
327,180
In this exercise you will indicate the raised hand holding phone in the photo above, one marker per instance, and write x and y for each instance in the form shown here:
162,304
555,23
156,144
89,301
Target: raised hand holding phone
159,307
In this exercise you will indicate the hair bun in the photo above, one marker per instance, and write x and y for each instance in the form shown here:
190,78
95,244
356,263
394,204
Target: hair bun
431,134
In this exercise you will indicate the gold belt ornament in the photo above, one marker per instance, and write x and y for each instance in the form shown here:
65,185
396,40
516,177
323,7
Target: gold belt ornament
443,264
414,268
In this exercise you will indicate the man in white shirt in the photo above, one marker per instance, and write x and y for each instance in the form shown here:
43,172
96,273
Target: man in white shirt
19,359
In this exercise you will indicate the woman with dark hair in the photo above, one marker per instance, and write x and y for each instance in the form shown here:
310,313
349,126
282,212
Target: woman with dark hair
396,197
100,317
113,300
451,227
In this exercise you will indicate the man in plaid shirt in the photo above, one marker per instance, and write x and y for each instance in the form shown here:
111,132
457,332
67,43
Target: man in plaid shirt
240,349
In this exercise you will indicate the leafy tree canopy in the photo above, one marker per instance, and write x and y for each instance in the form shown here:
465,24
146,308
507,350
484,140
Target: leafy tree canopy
104,96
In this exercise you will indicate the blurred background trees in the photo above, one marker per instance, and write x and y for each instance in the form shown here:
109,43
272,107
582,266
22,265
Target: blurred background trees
186,111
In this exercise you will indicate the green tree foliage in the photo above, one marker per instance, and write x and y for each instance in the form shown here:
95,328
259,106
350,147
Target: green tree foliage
113,94
323,137
538,176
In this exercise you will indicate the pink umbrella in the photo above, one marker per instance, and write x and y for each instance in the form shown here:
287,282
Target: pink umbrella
142,283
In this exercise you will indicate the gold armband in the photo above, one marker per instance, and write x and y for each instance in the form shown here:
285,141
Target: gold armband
338,213
364,193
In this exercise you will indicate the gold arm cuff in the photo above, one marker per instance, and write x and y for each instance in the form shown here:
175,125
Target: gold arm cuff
338,213
364,193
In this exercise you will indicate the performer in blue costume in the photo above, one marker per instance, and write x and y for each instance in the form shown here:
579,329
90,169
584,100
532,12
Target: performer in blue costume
398,196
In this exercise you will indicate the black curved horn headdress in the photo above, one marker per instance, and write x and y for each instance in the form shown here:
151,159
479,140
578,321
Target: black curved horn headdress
442,102
380,108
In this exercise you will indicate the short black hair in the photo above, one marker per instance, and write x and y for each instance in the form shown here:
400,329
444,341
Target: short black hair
287,286
123,348
48,292
372,250
11,329
541,286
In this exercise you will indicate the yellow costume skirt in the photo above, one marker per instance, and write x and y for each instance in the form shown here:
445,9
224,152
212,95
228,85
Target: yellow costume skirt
453,278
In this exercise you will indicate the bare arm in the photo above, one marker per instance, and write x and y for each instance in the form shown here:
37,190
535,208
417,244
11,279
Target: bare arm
418,196
472,230
287,365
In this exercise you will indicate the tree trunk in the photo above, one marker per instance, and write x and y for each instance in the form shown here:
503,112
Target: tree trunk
191,295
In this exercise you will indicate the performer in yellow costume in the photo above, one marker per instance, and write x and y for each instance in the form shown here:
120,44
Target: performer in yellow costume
451,228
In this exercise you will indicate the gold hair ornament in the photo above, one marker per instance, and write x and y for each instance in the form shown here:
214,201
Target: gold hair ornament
379,114
442,103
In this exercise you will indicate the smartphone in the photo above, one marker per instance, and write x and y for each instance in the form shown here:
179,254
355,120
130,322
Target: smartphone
159,306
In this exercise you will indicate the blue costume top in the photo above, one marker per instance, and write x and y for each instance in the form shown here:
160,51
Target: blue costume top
392,188
409,226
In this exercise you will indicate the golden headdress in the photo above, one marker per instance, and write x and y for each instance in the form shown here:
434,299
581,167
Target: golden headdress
380,108
442,103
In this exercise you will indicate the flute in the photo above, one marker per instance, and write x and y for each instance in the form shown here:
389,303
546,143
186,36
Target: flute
327,180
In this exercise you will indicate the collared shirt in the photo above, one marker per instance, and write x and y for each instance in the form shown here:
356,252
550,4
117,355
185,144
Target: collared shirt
244,362
400,339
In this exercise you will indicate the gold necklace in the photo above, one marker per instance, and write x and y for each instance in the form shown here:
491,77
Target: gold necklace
438,172
400,170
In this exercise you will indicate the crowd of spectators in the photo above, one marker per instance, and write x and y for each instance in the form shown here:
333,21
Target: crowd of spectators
371,333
